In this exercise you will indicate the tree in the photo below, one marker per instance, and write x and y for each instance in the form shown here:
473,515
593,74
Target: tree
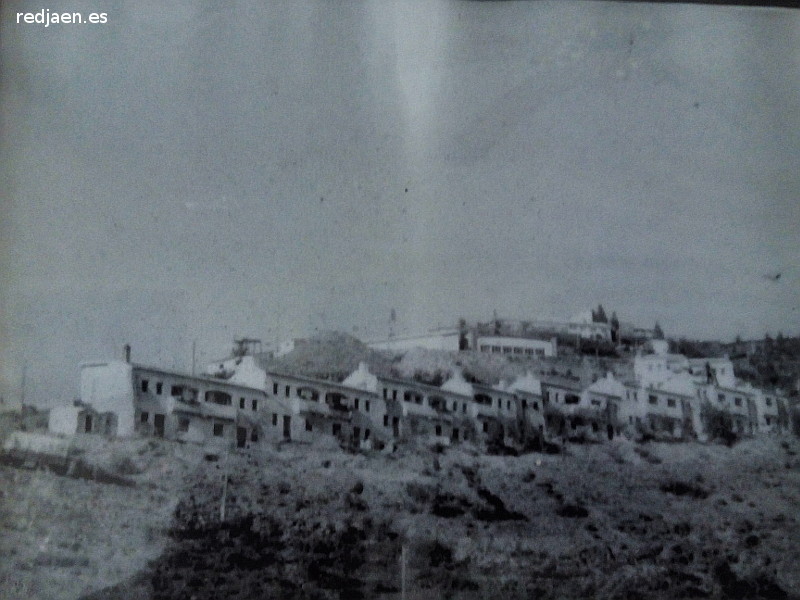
658,333
614,328
463,340
601,315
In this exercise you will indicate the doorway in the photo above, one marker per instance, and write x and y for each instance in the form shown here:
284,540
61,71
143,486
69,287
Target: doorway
287,427
158,424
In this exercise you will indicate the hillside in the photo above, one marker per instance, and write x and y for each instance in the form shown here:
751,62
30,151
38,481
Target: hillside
330,355
619,520
336,355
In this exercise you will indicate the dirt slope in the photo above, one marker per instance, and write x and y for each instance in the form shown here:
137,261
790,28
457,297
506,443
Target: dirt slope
606,521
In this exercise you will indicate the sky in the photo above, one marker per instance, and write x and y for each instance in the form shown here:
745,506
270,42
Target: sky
194,171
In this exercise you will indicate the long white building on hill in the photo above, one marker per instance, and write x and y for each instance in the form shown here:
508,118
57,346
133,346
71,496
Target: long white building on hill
667,396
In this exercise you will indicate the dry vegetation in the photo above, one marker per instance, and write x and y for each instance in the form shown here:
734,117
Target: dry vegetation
618,520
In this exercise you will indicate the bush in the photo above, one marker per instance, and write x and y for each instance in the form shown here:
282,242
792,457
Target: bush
719,425
684,488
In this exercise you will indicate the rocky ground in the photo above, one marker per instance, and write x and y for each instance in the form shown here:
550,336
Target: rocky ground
619,520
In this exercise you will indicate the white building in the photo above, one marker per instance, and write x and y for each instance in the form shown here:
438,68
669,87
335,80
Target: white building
517,347
108,387
584,327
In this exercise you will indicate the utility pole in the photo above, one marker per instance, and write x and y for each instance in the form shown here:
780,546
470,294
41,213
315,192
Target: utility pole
403,572
224,489
22,386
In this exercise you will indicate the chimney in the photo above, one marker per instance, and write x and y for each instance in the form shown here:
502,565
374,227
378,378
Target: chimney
127,353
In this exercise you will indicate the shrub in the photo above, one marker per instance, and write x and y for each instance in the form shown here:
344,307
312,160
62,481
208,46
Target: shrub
719,425
683,488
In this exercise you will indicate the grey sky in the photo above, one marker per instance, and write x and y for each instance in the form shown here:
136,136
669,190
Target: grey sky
204,170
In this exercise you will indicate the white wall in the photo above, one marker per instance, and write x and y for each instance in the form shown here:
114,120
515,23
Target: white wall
108,387
63,420
435,341
651,369
502,342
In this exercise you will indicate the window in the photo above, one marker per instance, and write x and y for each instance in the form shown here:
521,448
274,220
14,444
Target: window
721,397
219,429
535,406
254,435
769,403
183,424
529,351
671,402
219,397
464,407
287,390
385,394
652,399
274,419
455,406
176,390
274,389
517,350
496,349
366,405
485,427
356,433
254,404
506,349
571,399
508,404
337,428
540,352
438,430
159,387
355,403
394,394
499,403
524,404
241,403
144,417
309,427
737,401
366,434
594,426
454,436
385,420
767,419
485,348
144,385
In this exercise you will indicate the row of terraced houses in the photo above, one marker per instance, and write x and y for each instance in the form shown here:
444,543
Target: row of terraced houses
668,397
